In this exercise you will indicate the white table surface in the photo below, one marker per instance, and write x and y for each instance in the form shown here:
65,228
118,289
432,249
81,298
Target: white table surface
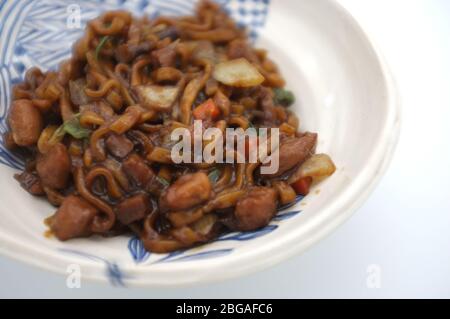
404,227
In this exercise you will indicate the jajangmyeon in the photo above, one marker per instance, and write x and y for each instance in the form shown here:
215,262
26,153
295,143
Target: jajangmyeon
96,134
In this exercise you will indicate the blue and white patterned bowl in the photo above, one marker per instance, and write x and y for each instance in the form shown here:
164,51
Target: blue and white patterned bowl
345,92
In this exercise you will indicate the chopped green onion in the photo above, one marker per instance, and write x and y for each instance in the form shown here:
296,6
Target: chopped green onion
283,97
162,181
73,128
214,175
101,45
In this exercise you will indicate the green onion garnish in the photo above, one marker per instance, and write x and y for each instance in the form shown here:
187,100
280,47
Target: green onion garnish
101,45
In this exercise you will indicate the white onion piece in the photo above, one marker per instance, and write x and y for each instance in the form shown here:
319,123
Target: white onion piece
317,166
205,224
238,73
156,97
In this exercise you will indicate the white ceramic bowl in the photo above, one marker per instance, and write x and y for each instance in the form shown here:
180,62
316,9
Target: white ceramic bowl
345,93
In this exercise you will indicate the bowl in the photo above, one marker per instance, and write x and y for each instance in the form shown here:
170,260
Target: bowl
344,91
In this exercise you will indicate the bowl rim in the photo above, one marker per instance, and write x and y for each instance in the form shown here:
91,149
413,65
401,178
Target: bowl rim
294,243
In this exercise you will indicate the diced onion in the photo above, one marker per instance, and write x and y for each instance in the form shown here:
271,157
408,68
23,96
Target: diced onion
317,166
238,73
205,224
160,98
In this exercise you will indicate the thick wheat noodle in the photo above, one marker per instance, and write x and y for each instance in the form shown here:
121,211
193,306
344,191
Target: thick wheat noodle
94,64
249,172
180,219
88,158
136,77
97,150
239,121
122,68
224,179
48,139
41,90
101,224
114,190
144,140
215,36
117,75
89,118
104,89
83,45
148,115
155,241
65,106
206,25
167,74
187,236
116,169
191,91
53,196
20,92
239,176
226,199
42,104
127,120
112,23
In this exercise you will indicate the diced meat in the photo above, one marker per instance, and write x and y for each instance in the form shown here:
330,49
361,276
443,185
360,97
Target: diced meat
188,191
73,219
266,96
119,145
239,48
54,167
222,102
26,123
137,170
165,57
8,141
77,93
256,209
294,151
268,107
30,183
126,53
204,50
101,108
133,209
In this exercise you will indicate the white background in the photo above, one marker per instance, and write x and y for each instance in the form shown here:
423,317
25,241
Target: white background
403,227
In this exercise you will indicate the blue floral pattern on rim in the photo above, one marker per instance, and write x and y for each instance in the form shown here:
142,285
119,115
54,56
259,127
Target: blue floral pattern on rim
113,272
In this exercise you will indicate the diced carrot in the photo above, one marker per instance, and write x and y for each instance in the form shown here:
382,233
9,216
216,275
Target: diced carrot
302,186
207,110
